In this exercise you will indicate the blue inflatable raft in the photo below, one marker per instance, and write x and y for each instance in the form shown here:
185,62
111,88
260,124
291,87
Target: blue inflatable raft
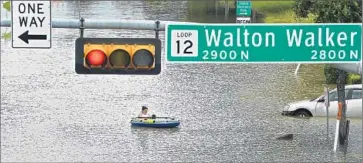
158,122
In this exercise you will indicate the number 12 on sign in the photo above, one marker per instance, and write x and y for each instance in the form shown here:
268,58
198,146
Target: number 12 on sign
187,43
184,43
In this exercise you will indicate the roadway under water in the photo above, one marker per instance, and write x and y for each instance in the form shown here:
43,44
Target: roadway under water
228,112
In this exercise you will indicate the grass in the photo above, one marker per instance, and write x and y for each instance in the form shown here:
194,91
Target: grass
279,12
272,7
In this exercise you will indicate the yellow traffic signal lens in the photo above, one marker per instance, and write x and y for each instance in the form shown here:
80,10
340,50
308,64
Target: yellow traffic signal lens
120,58
96,58
143,58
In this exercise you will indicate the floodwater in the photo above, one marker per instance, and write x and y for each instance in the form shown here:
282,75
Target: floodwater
228,112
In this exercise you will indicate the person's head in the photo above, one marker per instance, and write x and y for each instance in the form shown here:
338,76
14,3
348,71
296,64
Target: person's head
144,109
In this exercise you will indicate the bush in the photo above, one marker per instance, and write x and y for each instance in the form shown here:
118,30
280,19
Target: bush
355,79
331,75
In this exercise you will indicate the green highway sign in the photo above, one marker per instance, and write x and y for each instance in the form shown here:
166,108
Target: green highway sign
243,8
263,43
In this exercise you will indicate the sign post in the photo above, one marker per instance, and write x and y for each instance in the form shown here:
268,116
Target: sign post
327,104
263,43
243,12
31,24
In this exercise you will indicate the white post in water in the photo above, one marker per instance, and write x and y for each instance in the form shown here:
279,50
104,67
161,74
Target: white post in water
327,104
339,116
336,136
297,69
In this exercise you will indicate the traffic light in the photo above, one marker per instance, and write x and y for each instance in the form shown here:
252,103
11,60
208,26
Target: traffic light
118,56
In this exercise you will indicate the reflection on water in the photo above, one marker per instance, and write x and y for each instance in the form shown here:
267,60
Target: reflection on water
145,136
228,112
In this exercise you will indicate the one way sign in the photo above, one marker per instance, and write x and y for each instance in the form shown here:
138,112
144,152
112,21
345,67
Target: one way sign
31,24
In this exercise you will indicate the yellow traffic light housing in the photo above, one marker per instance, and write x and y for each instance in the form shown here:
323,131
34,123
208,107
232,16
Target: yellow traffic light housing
118,56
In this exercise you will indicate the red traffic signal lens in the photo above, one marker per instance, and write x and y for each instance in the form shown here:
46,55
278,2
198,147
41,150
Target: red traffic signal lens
96,58
143,58
120,58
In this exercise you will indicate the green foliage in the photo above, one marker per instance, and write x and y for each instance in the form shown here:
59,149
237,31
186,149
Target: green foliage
6,35
287,16
354,79
331,75
272,7
278,11
6,5
330,11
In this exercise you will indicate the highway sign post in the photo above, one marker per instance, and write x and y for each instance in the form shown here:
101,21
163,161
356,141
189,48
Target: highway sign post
31,24
263,43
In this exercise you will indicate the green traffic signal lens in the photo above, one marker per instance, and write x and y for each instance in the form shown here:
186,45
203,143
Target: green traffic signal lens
143,58
120,58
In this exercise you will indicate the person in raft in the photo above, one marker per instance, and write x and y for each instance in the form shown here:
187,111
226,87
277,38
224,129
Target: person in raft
144,113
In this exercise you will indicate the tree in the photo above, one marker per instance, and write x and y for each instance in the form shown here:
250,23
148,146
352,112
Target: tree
330,11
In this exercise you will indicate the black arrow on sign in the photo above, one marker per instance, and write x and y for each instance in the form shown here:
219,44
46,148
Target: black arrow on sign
26,37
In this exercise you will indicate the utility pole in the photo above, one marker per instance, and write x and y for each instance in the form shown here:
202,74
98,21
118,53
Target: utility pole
344,123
